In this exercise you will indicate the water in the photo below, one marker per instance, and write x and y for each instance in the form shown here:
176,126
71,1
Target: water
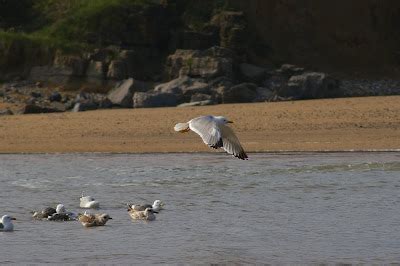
274,208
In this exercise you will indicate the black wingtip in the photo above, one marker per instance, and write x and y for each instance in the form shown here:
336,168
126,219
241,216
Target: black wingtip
242,156
217,145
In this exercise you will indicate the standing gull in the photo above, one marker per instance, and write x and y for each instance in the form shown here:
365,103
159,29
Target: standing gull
215,133
6,223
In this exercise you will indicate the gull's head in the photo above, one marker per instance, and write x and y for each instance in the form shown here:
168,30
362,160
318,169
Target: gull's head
223,120
158,204
105,217
6,219
60,208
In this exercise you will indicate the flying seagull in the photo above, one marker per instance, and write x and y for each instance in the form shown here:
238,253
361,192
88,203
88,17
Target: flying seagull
215,133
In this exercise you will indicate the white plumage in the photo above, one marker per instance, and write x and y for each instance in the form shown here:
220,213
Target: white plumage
6,224
215,133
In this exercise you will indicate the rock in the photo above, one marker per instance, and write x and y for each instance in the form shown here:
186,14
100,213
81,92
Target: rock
289,70
218,86
6,112
105,104
35,94
252,73
276,83
122,94
96,73
312,85
263,94
77,64
232,30
117,70
55,97
242,93
41,108
51,74
197,86
154,99
90,101
198,103
85,106
184,87
173,86
207,64
198,97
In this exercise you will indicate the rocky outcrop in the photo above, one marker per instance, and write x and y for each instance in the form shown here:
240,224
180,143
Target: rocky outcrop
207,64
232,30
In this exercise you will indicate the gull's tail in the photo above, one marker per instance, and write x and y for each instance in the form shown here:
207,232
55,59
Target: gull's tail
182,127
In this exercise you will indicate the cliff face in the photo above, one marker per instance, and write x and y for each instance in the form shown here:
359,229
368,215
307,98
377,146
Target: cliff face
338,35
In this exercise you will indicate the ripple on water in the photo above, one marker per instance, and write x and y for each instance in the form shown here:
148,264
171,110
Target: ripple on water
277,208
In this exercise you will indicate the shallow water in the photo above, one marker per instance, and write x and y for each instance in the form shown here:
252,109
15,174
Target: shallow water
274,208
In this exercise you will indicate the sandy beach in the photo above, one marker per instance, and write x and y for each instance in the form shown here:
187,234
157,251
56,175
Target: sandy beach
369,123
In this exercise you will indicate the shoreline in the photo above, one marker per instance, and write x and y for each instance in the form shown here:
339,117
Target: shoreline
326,125
282,152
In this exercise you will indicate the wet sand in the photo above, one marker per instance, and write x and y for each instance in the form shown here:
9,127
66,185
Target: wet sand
369,123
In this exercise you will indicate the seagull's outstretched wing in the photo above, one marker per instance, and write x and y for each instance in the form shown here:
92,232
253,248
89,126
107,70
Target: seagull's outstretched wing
207,128
231,143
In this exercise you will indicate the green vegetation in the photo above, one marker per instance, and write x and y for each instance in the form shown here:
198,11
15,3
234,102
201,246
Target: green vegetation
68,24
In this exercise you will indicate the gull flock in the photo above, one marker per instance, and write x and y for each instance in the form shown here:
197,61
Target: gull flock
214,132
59,213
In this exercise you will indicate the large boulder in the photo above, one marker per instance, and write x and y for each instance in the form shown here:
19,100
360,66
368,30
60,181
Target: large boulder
312,85
184,87
241,93
207,64
122,94
154,99
37,108
252,73
85,101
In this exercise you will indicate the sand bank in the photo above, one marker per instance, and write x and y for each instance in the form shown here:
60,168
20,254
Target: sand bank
369,123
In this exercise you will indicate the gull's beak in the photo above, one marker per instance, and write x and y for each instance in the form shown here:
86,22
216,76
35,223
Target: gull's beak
109,218
230,122
13,218
154,212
